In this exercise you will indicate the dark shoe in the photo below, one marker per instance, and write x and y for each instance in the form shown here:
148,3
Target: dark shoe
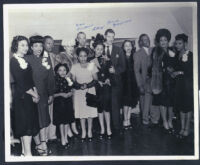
109,136
101,136
90,139
67,145
83,140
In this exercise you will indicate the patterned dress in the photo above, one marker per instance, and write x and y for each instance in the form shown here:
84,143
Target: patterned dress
63,111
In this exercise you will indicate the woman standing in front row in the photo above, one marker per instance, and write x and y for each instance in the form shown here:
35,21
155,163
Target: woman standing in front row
43,78
104,86
84,75
163,83
130,95
25,96
184,84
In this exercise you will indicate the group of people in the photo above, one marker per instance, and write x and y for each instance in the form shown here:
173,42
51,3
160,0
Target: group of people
84,81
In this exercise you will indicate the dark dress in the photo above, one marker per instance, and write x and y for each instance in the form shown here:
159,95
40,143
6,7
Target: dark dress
166,97
103,92
184,85
25,110
44,82
130,92
63,111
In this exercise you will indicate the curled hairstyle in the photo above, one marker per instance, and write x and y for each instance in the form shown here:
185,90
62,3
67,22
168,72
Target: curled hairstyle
99,40
36,39
182,37
82,49
163,33
15,42
59,65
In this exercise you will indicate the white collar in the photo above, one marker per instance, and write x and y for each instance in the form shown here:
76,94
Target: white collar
146,50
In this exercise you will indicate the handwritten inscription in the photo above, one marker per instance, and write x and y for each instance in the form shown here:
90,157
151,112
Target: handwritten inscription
113,23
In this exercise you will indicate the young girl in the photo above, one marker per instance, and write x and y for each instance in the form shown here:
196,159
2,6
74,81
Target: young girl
63,107
184,84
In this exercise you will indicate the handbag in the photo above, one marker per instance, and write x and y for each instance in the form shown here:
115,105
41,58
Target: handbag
92,100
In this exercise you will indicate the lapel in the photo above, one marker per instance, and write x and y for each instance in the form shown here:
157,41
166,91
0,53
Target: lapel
113,55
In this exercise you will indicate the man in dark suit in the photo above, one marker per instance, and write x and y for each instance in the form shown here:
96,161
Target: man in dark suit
142,64
118,66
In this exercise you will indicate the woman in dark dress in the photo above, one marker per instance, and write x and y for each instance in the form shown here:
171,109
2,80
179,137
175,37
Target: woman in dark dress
43,78
103,87
163,83
130,95
25,95
184,102
63,106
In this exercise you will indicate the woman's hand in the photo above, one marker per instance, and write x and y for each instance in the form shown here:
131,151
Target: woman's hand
101,83
35,97
107,82
66,95
112,70
84,86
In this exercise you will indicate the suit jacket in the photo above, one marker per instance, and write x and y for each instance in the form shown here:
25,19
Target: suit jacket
142,63
118,61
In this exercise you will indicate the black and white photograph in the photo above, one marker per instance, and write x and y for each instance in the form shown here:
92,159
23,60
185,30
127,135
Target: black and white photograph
101,81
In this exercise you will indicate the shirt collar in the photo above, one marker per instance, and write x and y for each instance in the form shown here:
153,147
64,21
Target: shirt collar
146,50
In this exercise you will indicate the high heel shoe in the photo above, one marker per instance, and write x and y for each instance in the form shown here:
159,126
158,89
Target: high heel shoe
90,139
109,136
83,139
101,136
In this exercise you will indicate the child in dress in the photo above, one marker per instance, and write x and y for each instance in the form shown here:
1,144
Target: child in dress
63,106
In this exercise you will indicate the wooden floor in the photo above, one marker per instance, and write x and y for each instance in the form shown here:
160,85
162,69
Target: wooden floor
140,140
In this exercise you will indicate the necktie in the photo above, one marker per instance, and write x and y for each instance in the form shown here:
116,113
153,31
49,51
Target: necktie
108,52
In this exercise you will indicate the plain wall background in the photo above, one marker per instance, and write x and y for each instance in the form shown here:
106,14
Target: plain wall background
62,23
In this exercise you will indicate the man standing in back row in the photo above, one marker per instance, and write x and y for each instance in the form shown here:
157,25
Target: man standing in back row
118,66
142,65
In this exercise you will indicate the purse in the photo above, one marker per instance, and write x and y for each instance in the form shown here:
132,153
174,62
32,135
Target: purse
92,100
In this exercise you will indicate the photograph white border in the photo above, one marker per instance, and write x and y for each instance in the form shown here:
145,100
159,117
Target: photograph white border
10,158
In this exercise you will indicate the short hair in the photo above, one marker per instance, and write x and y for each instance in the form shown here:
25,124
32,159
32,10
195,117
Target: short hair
47,37
36,39
140,38
163,33
59,65
182,37
82,49
109,31
76,41
15,42
133,46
